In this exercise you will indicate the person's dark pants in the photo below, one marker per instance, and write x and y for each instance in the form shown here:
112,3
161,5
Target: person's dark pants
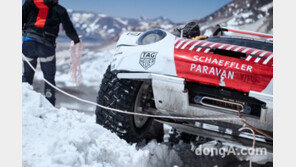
46,55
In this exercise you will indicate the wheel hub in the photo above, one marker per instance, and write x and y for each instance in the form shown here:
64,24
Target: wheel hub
141,103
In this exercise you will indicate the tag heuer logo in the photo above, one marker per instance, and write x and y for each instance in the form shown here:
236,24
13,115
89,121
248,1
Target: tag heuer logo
147,59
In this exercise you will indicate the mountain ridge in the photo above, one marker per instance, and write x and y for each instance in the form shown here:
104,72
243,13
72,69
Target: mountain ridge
252,15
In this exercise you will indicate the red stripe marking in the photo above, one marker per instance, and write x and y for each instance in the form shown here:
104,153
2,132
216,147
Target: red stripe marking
237,49
217,46
258,54
183,43
177,42
268,54
42,14
198,46
202,49
201,43
270,62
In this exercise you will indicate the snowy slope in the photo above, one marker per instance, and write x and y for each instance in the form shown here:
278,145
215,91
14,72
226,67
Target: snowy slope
60,138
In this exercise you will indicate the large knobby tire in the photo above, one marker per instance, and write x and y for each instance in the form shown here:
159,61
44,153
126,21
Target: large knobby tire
122,94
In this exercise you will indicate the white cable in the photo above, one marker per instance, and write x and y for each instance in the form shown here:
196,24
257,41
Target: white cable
254,141
128,112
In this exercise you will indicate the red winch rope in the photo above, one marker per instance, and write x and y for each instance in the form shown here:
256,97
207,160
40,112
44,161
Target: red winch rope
249,33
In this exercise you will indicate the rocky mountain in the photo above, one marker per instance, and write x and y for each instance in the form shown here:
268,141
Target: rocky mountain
252,15
100,27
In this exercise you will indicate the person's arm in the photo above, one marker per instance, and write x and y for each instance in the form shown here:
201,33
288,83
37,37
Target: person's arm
67,24
25,13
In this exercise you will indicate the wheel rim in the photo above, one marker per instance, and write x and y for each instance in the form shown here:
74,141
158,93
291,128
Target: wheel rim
138,108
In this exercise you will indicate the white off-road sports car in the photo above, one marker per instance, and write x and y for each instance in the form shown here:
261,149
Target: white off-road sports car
158,73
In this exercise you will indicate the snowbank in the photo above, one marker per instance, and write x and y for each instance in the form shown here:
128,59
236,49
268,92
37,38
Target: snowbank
60,137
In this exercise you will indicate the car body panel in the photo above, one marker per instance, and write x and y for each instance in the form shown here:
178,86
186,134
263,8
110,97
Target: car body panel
195,61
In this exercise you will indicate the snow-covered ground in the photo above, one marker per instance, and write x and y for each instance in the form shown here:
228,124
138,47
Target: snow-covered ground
61,137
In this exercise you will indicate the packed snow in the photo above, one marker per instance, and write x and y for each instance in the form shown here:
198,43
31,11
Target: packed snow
60,137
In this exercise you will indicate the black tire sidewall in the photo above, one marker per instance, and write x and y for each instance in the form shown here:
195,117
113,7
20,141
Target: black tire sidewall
113,93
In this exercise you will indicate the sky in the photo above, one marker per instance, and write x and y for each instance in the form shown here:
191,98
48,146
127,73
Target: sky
176,10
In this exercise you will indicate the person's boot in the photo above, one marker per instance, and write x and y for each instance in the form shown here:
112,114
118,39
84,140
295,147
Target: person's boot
50,96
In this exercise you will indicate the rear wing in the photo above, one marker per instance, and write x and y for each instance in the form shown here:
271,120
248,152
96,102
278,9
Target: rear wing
223,29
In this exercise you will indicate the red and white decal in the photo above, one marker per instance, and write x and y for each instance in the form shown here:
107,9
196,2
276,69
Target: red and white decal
222,46
261,55
195,44
199,65
268,59
250,56
230,47
180,43
186,44
211,46
204,44
237,49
